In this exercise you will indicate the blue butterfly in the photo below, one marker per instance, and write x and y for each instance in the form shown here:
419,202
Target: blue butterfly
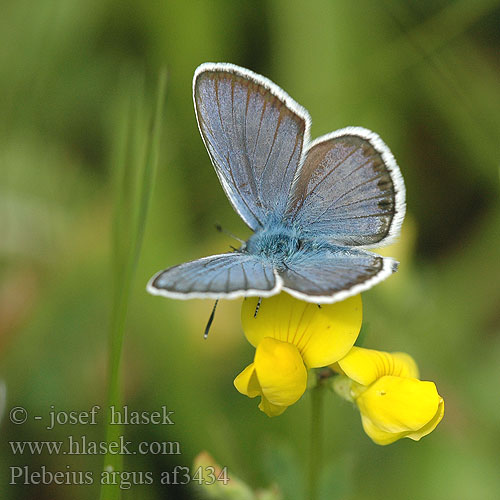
315,207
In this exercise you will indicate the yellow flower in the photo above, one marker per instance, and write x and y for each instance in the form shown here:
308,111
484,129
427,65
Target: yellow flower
291,336
392,401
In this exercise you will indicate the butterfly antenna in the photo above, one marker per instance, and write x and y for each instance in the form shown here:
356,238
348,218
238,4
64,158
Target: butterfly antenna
210,320
222,230
257,307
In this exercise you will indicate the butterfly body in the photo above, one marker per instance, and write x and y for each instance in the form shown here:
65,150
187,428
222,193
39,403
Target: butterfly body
276,244
315,207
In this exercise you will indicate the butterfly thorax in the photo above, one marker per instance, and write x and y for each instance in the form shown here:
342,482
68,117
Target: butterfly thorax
276,244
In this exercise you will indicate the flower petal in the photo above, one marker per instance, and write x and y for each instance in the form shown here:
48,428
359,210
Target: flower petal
247,383
404,365
281,372
322,335
364,366
377,435
431,425
269,409
395,404
381,437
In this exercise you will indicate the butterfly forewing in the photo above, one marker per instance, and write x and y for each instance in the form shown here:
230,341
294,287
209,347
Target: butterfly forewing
254,134
349,190
220,276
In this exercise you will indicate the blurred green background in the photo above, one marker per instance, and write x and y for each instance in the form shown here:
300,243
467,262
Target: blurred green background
423,74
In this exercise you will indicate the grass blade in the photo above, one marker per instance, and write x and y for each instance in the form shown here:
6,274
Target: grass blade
134,169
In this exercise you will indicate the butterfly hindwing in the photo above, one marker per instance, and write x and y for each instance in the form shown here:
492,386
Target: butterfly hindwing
349,190
254,133
227,275
333,274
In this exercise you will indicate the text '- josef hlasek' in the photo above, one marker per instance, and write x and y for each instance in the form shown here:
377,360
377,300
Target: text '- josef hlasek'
122,415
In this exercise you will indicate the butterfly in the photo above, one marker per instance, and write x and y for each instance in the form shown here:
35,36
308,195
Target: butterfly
315,207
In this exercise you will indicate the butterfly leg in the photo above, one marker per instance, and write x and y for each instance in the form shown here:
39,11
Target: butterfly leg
257,307
210,320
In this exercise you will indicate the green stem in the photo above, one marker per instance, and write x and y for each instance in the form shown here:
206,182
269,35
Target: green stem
316,450
136,159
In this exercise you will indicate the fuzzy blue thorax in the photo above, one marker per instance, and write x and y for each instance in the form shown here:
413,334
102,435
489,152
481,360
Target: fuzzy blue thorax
281,245
276,244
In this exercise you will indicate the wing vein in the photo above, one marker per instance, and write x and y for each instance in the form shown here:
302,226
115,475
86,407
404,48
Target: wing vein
270,150
348,191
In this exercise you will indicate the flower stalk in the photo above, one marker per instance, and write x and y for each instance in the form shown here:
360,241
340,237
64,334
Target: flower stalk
316,444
